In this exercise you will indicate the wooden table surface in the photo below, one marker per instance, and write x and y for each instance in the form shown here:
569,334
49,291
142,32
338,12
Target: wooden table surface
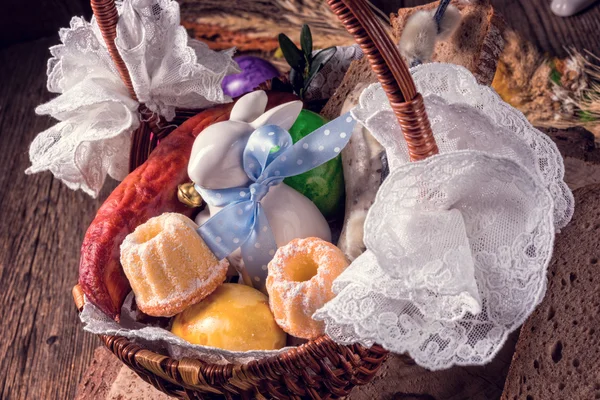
43,351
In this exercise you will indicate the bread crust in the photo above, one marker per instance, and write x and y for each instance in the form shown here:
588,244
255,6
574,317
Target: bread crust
476,44
558,352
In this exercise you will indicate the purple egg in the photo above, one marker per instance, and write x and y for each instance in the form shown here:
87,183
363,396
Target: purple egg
254,72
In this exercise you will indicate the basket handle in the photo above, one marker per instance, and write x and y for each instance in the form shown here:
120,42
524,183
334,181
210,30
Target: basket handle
107,16
392,73
359,20
142,140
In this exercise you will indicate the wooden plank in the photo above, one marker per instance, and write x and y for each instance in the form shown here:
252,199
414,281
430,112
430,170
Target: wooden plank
98,378
44,350
401,378
108,379
32,19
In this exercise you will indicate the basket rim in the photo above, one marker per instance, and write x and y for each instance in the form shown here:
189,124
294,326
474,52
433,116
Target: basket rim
321,355
349,361
79,300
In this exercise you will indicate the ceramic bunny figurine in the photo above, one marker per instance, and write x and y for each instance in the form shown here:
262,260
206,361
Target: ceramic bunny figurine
216,163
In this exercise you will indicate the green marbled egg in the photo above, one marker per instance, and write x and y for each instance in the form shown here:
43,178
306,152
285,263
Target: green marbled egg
323,185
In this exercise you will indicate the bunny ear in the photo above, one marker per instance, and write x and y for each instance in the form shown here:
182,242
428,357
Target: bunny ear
249,107
283,116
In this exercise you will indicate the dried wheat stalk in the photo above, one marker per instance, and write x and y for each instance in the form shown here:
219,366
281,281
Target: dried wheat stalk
259,20
559,93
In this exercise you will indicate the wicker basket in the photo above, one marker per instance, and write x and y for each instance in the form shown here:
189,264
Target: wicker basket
320,369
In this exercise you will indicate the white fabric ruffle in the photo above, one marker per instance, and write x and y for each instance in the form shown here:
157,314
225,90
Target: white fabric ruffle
457,244
448,307
95,113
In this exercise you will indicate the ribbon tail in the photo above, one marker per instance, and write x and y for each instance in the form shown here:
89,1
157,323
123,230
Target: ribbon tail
225,231
313,150
259,249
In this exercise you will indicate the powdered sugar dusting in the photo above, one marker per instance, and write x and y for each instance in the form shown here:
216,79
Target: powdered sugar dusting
169,266
293,303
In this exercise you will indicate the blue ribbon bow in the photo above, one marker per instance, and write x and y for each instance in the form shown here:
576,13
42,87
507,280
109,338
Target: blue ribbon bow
269,157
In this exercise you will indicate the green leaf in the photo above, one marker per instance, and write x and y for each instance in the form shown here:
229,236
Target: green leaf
555,76
306,42
319,61
292,54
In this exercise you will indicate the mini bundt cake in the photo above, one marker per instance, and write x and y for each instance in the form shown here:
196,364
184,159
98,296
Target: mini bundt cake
299,283
169,266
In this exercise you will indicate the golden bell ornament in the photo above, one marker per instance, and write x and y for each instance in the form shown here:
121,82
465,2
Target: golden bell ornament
187,194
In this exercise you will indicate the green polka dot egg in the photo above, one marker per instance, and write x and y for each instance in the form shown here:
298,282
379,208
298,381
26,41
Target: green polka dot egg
323,185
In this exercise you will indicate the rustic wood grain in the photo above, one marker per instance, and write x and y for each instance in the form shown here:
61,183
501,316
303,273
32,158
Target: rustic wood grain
98,378
109,379
401,378
32,19
43,351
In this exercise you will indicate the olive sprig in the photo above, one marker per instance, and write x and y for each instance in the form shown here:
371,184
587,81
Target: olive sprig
304,64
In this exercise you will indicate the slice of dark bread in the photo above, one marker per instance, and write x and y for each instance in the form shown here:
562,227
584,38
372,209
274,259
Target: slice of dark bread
359,74
558,352
476,45
477,42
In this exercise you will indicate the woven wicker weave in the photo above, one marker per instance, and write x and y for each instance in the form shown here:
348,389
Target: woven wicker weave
320,369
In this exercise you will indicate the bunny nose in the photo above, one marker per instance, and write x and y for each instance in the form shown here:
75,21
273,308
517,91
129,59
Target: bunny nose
258,191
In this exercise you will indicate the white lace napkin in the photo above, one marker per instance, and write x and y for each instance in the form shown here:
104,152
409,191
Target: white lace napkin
415,248
431,311
457,244
467,115
161,340
95,113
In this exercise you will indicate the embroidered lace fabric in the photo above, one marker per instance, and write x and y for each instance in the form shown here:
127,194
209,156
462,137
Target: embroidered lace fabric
161,340
457,244
95,112
467,115
169,70
430,310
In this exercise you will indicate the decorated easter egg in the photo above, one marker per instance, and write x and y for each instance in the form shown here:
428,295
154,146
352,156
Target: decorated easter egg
323,185
254,72
234,317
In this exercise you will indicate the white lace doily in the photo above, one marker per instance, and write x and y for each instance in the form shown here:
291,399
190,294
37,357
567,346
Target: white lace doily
161,340
458,244
95,113
425,304
168,70
467,115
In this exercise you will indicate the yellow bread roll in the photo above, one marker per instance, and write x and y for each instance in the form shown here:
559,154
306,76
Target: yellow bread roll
234,317
169,266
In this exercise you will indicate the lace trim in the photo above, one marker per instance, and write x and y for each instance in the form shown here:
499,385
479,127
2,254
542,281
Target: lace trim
467,115
509,228
96,116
